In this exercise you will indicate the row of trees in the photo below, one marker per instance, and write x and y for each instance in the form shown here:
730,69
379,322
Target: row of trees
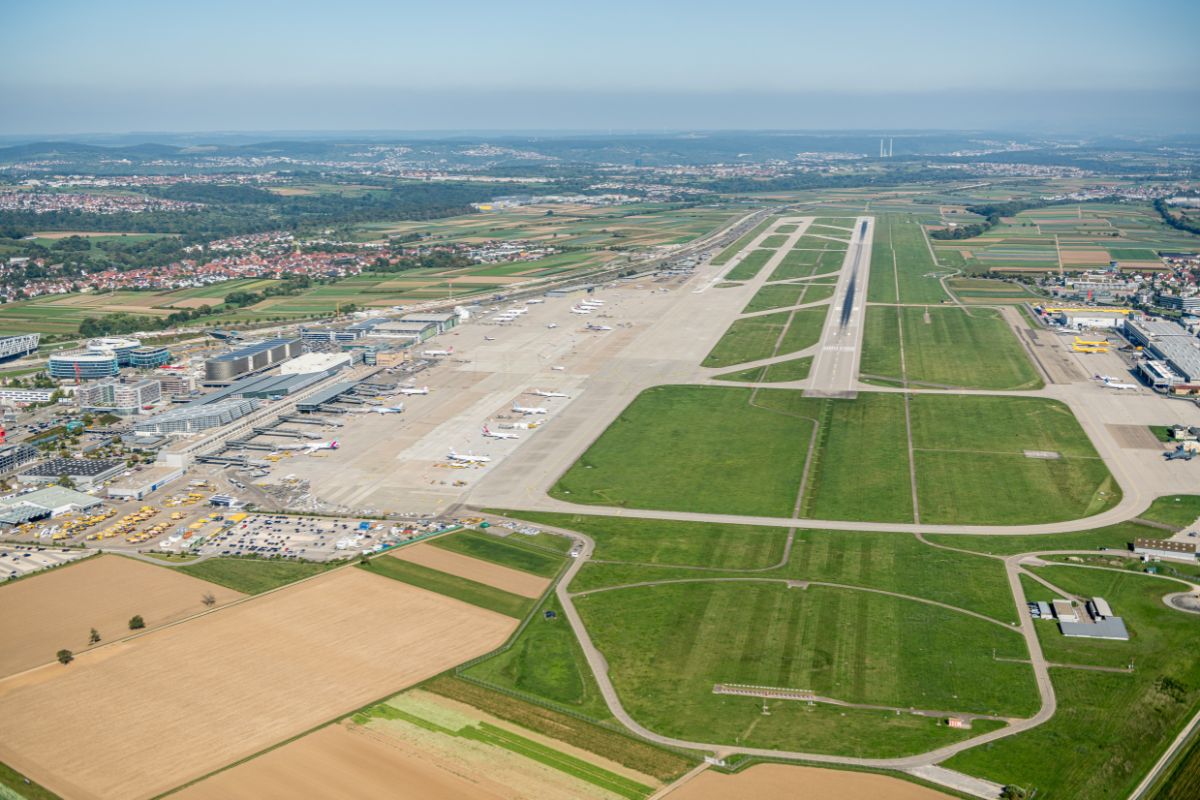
1180,222
991,212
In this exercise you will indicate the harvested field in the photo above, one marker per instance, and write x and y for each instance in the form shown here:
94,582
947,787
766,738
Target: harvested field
189,699
55,610
784,782
510,580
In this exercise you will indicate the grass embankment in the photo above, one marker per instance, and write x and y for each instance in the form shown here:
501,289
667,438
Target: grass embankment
509,551
19,786
468,591
255,575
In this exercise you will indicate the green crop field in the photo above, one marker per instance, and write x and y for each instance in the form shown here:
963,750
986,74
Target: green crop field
1114,725
254,575
946,347
659,454
795,369
508,552
667,645
468,591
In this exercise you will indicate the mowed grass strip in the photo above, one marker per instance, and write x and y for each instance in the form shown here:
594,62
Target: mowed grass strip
774,241
433,580
803,330
1116,724
735,248
660,453
497,550
795,369
748,339
668,645
622,748
255,575
807,263
946,347
749,266
780,295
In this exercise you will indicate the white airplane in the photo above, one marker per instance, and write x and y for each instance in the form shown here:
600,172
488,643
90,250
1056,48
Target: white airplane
544,393
591,326
578,310
591,303
535,301
438,353
558,369
469,458
1119,385
552,325
489,338
311,447
527,410
411,390
1105,378
388,409
491,434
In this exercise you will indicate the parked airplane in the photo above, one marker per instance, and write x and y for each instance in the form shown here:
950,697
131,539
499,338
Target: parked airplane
411,390
388,409
469,458
552,325
1180,454
438,353
591,326
528,410
491,434
578,310
489,338
1104,378
311,447
544,393
1119,385
535,301
558,369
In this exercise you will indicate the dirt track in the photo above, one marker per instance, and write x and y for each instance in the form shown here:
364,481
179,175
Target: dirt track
191,698
506,578
780,782
43,614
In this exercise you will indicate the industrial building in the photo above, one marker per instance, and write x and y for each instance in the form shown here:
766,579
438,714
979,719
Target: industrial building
312,363
251,358
18,346
442,322
15,456
1089,317
1176,352
411,332
48,502
84,365
149,357
140,484
1172,549
196,418
174,380
122,348
118,396
1188,305
85,473
1100,623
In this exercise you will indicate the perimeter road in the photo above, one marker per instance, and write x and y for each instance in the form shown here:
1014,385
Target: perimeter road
835,366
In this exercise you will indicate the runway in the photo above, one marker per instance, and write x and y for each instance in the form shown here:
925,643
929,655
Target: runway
835,365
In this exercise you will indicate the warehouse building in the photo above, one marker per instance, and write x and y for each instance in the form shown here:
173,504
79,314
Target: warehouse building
251,358
15,456
85,473
316,363
1100,623
48,502
84,365
119,397
1172,549
140,484
1170,345
196,418
410,332
442,322
18,346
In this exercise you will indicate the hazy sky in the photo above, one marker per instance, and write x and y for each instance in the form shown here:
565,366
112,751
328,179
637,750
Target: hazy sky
529,64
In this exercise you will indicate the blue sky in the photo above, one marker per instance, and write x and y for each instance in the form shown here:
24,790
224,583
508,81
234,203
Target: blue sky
529,64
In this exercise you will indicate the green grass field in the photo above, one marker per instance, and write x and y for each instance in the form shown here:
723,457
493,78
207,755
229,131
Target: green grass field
729,252
660,454
1114,725
468,591
255,575
796,369
667,645
912,277
774,241
946,347
748,339
509,551
750,265
807,263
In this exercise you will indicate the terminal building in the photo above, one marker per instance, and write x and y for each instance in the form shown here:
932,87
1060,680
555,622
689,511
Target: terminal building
18,346
251,358
118,396
85,473
84,365
196,418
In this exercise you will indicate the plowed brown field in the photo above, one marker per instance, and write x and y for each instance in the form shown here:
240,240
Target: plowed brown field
137,718
783,782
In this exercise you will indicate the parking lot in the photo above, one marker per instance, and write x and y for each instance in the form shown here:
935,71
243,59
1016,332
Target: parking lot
16,561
